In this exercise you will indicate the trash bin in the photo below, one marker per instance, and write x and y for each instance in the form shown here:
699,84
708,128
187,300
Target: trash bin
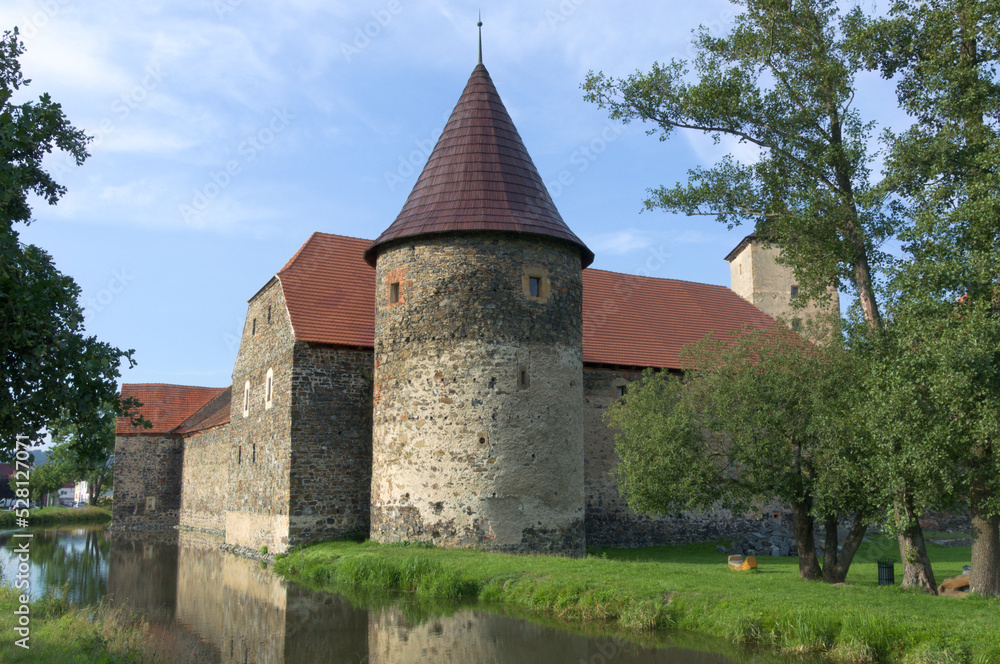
886,572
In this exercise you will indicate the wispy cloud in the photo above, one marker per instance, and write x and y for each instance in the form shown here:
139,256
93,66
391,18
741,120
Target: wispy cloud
620,242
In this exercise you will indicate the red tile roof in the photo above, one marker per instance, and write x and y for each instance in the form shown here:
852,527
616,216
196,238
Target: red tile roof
479,178
212,414
627,320
330,291
644,322
166,406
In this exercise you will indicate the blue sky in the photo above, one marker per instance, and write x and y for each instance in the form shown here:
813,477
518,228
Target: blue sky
227,131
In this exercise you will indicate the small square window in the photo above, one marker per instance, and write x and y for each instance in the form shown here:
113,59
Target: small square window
534,284
794,291
621,390
394,292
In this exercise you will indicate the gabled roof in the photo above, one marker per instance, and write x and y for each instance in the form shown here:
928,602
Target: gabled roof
644,321
749,239
627,320
165,406
212,414
330,292
479,178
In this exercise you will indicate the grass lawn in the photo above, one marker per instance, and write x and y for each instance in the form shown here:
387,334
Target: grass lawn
47,516
689,588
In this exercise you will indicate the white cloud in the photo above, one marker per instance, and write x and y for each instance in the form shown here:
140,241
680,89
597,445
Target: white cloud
620,242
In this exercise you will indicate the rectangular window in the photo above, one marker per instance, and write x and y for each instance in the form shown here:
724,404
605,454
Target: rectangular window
394,292
253,327
239,454
533,286
254,457
794,291
269,313
522,379
622,390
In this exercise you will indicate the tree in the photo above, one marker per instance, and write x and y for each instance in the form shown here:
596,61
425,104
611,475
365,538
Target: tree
96,466
943,171
783,81
758,416
47,363
48,477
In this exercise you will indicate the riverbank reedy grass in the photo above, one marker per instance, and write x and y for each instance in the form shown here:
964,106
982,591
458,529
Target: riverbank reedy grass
65,634
687,588
49,516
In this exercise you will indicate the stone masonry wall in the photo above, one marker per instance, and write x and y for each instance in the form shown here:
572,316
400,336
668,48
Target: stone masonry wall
259,456
758,279
610,521
147,481
205,480
331,433
478,427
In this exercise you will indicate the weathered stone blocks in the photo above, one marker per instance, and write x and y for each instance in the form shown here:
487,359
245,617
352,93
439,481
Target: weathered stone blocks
478,427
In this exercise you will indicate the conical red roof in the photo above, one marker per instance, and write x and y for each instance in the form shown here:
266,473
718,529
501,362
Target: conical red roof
479,178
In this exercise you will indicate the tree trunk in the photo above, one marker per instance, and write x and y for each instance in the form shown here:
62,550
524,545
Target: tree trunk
838,572
985,578
917,572
803,525
830,548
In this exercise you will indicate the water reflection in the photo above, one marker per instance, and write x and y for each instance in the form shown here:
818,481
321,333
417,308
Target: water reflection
207,606
71,561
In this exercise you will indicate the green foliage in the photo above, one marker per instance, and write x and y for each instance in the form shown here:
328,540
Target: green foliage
782,80
760,415
47,364
945,300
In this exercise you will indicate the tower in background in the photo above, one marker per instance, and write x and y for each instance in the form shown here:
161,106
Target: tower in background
757,277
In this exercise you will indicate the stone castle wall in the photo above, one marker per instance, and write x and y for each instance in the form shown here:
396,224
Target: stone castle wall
260,456
205,480
478,428
147,480
331,434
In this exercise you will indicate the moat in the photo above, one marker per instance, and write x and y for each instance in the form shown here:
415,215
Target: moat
209,606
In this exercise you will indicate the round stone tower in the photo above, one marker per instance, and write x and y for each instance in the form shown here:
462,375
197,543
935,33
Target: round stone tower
478,417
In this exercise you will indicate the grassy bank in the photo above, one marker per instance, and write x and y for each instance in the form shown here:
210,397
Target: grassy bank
51,516
688,588
62,634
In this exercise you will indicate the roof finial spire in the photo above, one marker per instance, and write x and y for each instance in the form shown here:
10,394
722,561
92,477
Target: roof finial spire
480,24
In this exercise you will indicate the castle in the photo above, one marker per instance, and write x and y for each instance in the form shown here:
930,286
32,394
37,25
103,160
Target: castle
444,383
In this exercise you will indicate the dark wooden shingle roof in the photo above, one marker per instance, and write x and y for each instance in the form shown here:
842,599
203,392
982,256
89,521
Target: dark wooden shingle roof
479,178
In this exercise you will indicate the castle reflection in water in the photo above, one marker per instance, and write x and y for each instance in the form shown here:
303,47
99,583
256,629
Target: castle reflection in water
208,606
